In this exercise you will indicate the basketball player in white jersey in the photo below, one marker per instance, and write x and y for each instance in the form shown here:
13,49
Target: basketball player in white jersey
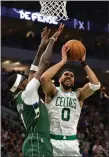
64,105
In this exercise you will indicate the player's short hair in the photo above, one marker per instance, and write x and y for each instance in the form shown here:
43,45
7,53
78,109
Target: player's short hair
14,81
64,70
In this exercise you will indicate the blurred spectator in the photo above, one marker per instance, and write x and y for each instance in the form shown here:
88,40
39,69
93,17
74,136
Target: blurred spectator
98,150
103,93
85,153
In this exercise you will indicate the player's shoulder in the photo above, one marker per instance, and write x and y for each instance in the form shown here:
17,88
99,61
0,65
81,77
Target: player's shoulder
18,95
77,92
74,92
58,88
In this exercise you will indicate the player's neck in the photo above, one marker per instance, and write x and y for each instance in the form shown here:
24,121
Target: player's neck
65,90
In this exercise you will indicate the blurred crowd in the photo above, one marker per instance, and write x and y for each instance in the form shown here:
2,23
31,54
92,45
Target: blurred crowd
93,131
12,137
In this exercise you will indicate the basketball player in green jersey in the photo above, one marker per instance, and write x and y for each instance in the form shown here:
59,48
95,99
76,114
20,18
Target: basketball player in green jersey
64,105
31,108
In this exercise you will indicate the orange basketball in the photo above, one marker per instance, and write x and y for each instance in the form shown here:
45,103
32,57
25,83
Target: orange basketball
77,50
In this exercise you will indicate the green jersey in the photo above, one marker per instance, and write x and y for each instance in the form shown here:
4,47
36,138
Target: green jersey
32,122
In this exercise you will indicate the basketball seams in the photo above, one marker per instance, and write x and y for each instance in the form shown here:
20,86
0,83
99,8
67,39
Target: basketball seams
79,50
72,55
76,51
83,49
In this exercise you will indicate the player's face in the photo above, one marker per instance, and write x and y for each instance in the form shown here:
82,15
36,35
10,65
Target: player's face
23,83
67,80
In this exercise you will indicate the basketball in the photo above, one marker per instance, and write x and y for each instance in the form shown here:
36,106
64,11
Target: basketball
77,50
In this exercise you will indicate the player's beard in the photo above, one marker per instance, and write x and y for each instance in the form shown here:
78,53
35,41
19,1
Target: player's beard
66,86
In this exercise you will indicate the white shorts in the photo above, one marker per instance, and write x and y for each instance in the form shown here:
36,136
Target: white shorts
65,148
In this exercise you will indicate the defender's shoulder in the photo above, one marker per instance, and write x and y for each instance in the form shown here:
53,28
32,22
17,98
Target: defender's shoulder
18,95
58,88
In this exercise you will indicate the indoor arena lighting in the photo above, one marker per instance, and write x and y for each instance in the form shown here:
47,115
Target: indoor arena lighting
6,62
16,63
107,71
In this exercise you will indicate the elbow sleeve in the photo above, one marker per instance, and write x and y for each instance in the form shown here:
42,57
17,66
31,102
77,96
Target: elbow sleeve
94,87
30,95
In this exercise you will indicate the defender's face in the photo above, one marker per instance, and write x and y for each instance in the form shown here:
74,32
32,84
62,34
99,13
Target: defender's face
23,83
67,79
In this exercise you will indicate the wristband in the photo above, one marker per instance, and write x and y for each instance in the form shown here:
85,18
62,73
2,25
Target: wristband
83,63
53,38
34,67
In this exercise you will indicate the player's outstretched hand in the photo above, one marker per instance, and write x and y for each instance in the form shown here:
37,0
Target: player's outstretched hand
64,51
83,58
45,37
58,32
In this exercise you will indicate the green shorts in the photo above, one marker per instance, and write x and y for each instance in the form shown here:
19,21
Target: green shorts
36,146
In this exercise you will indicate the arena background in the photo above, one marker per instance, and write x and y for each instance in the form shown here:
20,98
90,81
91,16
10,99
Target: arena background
20,39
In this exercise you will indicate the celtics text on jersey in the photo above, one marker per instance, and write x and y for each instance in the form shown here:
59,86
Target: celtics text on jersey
64,111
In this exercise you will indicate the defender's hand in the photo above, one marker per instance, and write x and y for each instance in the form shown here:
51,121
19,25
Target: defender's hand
45,37
64,51
58,32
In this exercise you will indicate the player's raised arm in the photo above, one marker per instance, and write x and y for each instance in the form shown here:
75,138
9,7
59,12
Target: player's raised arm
43,64
46,82
44,41
46,56
93,84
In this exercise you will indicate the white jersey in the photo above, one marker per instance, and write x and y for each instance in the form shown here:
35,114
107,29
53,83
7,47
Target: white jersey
64,111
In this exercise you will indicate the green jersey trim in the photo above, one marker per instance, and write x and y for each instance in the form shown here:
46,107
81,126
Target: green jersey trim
62,137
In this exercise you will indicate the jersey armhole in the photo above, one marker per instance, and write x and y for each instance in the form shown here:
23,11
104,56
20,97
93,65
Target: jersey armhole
53,98
78,96
76,92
